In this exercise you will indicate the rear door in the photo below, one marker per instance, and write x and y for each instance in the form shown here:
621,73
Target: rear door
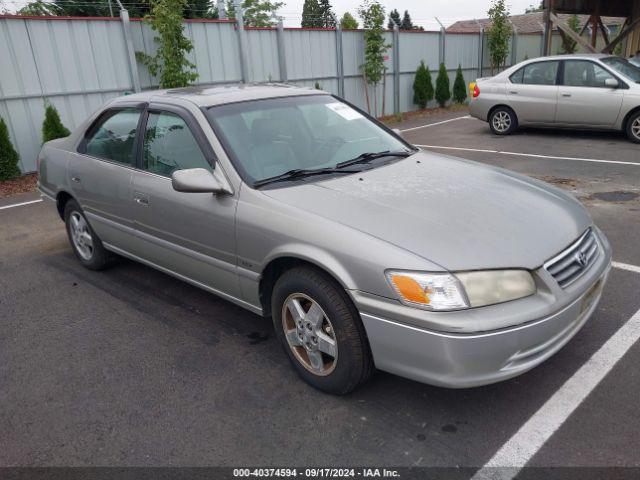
101,173
191,234
585,99
533,92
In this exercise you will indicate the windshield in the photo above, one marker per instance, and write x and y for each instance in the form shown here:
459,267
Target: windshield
267,138
622,66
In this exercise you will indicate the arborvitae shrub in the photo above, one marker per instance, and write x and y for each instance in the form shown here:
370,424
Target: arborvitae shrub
52,126
459,87
422,86
8,156
443,91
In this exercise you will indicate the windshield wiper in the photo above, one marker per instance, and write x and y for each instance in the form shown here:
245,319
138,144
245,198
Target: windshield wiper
299,173
368,156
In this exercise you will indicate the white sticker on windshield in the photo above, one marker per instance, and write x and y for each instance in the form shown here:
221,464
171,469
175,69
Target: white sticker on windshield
345,111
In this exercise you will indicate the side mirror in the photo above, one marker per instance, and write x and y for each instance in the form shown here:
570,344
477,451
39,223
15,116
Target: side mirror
611,83
199,180
397,131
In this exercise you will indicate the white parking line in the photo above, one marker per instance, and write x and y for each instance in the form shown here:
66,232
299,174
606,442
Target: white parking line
518,154
526,442
21,204
626,266
436,123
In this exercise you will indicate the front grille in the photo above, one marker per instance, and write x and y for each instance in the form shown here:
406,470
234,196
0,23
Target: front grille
569,265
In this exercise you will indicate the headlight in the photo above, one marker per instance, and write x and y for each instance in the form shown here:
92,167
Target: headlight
444,291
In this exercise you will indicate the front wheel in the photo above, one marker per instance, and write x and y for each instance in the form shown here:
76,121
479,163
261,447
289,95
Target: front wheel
321,331
503,121
86,244
633,128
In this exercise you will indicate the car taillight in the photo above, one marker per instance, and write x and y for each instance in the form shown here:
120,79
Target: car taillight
476,91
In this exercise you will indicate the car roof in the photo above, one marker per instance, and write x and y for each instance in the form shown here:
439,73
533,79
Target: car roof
207,96
573,56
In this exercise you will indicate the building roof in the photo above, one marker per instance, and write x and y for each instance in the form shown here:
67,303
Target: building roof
526,23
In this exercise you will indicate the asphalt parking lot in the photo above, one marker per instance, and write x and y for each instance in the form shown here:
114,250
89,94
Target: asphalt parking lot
131,367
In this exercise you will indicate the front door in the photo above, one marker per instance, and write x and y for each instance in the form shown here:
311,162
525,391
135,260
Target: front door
584,97
101,175
533,92
188,234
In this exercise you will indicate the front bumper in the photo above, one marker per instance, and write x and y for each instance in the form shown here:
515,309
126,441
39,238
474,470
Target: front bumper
461,360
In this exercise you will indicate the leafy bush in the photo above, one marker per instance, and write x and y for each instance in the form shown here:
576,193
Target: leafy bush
459,87
422,86
8,155
52,126
498,34
170,62
443,92
348,22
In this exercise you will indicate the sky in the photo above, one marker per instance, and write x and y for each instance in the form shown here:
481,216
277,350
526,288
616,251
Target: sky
423,12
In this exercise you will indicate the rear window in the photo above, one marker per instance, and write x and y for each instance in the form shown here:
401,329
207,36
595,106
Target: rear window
538,73
113,136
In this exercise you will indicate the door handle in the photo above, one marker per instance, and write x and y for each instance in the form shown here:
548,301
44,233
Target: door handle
141,199
513,92
566,94
75,179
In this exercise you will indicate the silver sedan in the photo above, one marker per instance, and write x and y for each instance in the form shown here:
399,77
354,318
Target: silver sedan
569,91
365,251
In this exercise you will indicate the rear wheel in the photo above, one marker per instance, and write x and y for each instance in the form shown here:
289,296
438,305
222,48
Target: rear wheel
84,241
633,127
503,121
321,331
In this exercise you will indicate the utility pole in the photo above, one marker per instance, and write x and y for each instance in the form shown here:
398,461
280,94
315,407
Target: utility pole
128,39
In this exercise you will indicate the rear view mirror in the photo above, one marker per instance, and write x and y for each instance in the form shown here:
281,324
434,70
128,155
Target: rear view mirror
611,83
198,180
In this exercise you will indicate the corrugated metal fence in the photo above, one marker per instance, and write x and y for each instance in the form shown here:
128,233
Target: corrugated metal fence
78,64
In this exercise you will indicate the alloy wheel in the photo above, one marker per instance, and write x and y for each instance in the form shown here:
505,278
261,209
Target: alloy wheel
81,236
635,128
501,122
310,334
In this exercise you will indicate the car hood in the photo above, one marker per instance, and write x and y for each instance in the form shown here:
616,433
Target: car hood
456,213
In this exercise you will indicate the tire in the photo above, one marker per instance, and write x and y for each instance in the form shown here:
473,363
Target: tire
633,127
332,317
85,243
503,121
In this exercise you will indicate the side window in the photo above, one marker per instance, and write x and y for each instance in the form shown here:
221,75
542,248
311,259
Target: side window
114,137
517,77
169,145
540,73
582,73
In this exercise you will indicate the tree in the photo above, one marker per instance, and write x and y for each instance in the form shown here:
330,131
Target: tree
459,87
394,19
533,9
136,8
169,63
52,126
406,23
372,14
443,93
9,158
38,8
347,22
422,86
256,13
201,9
311,14
327,18
498,34
569,45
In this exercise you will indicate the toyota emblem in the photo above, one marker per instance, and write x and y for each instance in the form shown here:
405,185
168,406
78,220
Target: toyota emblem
581,258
